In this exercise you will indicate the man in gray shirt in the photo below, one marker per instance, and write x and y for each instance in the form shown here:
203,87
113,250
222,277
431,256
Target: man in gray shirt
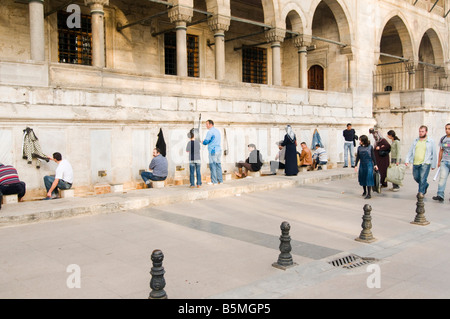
158,168
443,163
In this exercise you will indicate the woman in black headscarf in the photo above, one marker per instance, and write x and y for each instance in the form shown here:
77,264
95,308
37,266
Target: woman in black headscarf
290,142
382,149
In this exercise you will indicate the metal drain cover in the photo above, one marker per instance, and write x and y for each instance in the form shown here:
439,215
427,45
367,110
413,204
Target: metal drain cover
351,261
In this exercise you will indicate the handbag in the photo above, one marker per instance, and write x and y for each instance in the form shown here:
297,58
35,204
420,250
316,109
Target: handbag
384,153
376,179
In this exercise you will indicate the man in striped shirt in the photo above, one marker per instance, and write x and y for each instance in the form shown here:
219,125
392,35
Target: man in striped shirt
10,183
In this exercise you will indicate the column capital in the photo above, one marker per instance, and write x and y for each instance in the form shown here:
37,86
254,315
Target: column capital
219,23
302,41
275,35
96,5
180,14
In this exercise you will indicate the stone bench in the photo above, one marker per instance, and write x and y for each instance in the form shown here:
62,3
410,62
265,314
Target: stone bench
254,174
158,184
10,199
67,193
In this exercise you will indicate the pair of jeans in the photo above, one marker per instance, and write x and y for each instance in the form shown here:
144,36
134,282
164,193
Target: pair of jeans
420,173
195,168
216,168
349,148
148,176
48,182
445,171
11,189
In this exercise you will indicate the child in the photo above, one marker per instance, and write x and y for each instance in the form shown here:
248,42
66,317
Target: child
193,148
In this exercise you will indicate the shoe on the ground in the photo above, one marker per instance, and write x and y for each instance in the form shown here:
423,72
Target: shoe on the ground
438,198
368,197
345,167
364,194
47,198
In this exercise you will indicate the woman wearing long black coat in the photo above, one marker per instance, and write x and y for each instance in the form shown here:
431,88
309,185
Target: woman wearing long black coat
290,142
382,149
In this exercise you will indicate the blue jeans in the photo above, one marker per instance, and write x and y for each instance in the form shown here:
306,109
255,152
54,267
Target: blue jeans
420,173
445,171
195,168
147,177
349,148
216,168
48,182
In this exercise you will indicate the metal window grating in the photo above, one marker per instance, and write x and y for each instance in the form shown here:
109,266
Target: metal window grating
170,54
74,44
254,65
351,261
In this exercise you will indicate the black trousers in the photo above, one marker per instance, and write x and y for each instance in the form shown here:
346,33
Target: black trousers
11,189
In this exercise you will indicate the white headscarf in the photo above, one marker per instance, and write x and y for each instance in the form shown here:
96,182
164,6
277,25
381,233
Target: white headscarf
290,133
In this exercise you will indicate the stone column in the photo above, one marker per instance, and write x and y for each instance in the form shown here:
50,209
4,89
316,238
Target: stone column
37,38
275,37
219,24
410,66
302,43
98,31
181,16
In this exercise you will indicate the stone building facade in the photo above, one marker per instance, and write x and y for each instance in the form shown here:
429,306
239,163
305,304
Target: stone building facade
98,79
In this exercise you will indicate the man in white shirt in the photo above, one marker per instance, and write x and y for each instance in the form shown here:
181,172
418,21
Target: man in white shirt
63,178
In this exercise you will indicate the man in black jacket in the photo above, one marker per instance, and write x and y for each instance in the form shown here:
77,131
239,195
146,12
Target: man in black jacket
253,163
349,145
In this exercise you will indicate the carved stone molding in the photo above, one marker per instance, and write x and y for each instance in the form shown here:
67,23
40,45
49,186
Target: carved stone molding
275,35
96,5
180,14
303,41
219,23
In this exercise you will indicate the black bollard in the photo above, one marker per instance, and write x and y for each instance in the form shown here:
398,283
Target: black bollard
285,258
420,212
157,283
366,233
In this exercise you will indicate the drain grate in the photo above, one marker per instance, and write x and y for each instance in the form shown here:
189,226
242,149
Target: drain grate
351,261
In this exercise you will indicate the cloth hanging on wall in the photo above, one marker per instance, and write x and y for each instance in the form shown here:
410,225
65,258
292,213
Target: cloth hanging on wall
31,148
161,143
316,140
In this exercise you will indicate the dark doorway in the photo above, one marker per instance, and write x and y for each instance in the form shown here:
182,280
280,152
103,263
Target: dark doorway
315,78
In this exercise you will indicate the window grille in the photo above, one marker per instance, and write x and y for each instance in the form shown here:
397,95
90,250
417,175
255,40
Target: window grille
170,54
254,65
74,44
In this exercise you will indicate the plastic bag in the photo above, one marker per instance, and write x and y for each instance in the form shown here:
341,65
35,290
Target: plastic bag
395,174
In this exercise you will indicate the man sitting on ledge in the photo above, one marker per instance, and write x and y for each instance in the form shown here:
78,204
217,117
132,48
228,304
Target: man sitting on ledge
320,157
158,169
63,178
10,183
253,163
305,157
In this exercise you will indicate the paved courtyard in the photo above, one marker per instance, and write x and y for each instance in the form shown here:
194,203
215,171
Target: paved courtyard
223,248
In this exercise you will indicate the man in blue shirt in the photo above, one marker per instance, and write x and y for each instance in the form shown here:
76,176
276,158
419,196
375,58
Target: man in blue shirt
213,139
158,169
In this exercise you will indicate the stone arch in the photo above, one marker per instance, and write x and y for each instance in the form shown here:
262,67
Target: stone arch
341,15
432,37
296,17
395,27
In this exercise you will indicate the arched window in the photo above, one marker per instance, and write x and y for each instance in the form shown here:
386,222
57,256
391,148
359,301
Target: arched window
316,78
